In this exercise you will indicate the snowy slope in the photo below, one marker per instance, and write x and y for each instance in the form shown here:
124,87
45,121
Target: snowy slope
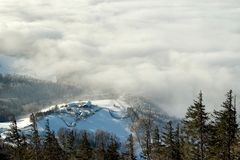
108,115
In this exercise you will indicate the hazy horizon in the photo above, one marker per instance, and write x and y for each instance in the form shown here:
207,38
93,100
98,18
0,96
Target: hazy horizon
167,50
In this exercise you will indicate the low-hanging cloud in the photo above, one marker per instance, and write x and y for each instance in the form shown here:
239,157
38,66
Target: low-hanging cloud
167,50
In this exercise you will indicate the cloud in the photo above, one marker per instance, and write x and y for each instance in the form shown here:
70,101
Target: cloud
166,50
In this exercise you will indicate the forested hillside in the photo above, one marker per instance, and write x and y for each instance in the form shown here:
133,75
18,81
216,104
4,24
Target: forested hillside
20,94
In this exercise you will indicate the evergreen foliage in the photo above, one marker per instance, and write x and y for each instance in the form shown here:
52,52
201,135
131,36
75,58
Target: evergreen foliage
130,153
224,131
35,140
18,141
85,150
100,153
112,153
168,141
156,151
70,141
177,146
52,149
196,129
147,123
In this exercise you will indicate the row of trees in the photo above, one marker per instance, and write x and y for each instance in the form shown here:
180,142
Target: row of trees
212,137
199,136
68,145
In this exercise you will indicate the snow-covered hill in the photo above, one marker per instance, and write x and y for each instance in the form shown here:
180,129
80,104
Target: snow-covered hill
108,115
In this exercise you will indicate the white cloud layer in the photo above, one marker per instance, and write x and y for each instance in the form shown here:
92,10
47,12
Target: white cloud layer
164,49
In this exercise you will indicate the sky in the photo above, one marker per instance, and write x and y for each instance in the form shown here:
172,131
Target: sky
166,50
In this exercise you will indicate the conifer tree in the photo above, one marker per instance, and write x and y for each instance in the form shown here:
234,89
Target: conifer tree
112,153
168,141
52,150
195,127
25,149
85,150
15,138
70,140
147,129
14,134
225,130
156,136
130,153
70,144
156,152
177,142
100,153
35,140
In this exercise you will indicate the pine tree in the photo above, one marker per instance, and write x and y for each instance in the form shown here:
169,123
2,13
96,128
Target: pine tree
70,140
52,150
130,153
156,151
112,153
168,141
70,144
177,146
225,127
195,127
15,138
100,153
14,134
85,150
156,136
147,129
35,140
25,149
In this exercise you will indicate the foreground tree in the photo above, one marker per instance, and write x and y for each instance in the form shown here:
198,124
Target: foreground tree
147,123
112,153
129,145
52,149
177,144
35,140
70,144
195,128
85,150
15,137
224,131
156,152
168,141
99,153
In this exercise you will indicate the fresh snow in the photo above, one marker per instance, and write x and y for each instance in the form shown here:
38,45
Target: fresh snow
111,117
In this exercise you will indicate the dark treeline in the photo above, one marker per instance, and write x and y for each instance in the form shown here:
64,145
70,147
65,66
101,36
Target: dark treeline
66,144
199,136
